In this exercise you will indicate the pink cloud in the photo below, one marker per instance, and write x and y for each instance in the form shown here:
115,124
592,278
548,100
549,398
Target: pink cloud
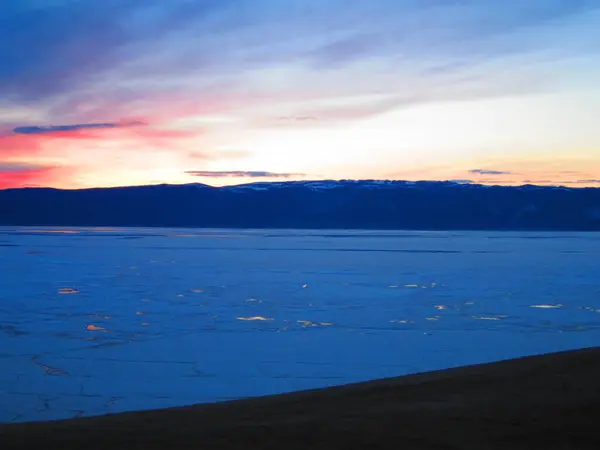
49,142
25,176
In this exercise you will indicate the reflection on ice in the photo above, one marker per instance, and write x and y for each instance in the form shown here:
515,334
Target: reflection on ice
258,318
308,323
55,231
68,291
154,326
48,370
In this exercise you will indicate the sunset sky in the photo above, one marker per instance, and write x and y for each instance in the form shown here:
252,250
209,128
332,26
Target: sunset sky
128,92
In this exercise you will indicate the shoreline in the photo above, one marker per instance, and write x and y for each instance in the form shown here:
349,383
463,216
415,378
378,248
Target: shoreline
308,229
546,402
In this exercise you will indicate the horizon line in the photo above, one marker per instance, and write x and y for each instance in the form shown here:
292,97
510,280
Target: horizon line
568,185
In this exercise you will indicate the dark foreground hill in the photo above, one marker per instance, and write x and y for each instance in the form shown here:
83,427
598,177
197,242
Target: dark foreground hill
549,402
310,204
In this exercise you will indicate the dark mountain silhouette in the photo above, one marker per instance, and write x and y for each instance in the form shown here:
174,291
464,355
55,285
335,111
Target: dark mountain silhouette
348,204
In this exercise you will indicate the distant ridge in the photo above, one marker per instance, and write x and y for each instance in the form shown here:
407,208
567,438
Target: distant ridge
350,204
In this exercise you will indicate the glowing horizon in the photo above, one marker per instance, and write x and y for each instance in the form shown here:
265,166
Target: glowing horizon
235,91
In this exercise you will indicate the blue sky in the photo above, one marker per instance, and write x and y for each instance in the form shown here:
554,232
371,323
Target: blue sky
223,90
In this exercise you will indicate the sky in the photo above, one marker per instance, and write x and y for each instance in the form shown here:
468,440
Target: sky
130,92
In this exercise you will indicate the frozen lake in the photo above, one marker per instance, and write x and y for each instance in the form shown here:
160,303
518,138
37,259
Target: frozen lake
96,321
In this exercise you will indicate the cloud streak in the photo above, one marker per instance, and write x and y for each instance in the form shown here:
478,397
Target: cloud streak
562,182
12,167
55,140
490,172
74,127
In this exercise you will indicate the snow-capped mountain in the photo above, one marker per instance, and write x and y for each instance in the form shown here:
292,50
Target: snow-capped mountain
322,184
370,204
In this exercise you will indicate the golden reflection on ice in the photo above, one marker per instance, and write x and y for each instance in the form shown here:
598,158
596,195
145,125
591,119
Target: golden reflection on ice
558,305
67,291
254,318
55,231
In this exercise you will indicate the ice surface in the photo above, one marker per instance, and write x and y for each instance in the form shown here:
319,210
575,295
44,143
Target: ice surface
94,321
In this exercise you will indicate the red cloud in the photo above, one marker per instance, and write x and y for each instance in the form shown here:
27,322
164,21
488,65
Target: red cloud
26,177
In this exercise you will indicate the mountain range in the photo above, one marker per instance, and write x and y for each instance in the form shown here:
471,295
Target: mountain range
344,204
